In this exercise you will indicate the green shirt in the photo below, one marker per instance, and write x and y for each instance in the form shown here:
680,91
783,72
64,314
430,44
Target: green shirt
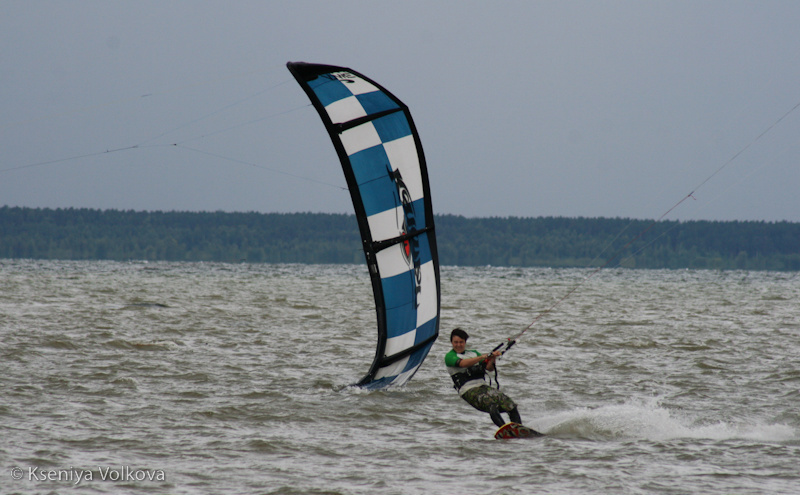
451,362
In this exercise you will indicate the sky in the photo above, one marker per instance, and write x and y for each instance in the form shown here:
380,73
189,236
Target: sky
524,108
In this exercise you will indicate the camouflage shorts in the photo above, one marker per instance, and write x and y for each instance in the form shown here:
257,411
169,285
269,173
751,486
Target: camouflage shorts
484,397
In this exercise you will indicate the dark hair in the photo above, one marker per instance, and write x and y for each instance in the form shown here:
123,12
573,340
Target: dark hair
458,333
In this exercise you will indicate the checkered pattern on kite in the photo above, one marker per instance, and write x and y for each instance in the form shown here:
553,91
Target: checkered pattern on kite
347,97
384,160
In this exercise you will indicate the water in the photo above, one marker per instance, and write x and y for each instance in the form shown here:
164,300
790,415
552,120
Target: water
218,378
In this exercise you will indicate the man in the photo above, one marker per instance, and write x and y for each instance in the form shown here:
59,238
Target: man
468,368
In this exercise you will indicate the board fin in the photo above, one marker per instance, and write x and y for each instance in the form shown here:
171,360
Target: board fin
515,430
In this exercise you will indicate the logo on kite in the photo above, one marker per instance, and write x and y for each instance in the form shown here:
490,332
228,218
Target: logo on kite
409,225
345,77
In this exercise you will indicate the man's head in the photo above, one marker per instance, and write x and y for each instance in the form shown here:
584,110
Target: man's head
459,333
458,338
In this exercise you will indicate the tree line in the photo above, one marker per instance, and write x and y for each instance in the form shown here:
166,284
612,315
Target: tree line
92,234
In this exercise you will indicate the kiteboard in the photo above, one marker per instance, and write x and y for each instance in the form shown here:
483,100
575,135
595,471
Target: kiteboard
515,430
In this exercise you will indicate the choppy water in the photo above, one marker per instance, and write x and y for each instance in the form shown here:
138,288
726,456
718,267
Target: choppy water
215,378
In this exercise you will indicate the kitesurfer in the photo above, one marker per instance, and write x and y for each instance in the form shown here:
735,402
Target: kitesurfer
468,369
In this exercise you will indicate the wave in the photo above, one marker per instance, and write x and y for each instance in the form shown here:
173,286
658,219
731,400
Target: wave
638,419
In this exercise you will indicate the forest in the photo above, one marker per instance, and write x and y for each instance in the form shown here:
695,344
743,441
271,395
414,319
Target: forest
93,234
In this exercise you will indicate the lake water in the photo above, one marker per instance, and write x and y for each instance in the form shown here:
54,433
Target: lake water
195,378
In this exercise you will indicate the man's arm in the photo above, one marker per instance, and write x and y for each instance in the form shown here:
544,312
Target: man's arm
467,362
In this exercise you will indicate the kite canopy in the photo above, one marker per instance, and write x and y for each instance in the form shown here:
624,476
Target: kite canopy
384,166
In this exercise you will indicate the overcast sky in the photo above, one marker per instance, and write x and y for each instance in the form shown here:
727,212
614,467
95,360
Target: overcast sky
527,108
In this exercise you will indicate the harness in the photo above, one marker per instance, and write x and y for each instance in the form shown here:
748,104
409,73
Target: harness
474,372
